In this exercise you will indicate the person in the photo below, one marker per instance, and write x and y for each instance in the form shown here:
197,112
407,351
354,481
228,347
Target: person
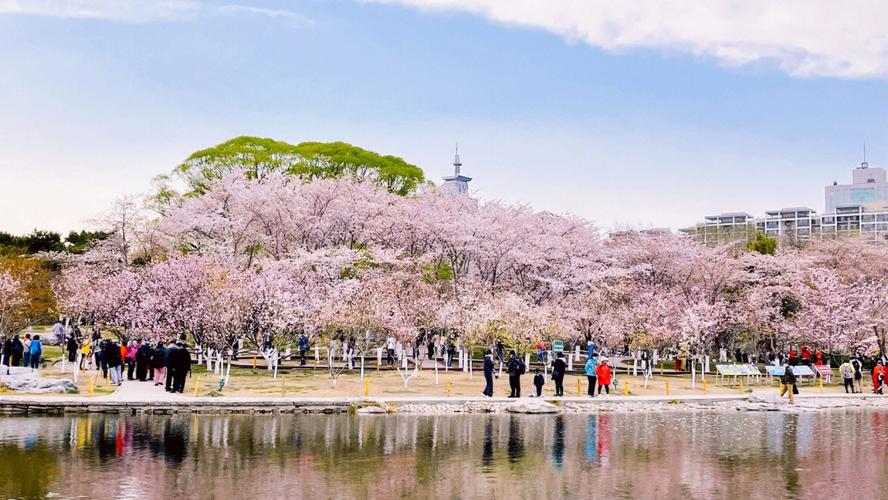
558,369
18,349
303,347
538,381
27,350
181,367
143,360
72,349
390,350
112,358
541,351
500,351
880,377
100,356
847,372
488,374
58,332
36,350
158,364
515,368
591,369
7,352
430,346
788,384
603,374
85,351
857,365
131,352
170,356
451,352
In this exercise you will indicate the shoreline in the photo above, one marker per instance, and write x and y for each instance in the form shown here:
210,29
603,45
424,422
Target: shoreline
756,401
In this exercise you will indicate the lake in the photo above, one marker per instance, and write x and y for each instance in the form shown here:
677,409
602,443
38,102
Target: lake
621,455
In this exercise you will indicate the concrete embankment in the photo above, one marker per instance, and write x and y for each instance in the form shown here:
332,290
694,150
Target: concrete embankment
763,401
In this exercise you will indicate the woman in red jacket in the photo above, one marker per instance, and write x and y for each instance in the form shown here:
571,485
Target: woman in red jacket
603,373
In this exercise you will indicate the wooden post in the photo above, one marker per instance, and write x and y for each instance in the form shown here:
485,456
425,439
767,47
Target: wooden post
366,387
196,385
579,391
667,387
705,386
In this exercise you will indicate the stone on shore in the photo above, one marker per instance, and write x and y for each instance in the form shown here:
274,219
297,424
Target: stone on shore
535,406
21,379
371,410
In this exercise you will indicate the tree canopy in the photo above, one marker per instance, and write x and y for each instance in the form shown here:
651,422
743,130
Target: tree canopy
258,157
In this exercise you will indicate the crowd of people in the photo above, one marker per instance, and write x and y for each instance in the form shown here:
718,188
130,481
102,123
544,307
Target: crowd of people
133,360
599,374
27,352
117,360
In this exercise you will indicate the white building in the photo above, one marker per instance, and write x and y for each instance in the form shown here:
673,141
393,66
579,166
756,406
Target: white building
456,183
868,189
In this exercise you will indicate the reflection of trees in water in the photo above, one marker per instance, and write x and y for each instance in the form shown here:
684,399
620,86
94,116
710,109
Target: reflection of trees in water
644,454
27,471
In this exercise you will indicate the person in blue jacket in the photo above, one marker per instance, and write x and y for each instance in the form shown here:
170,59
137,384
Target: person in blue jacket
589,368
36,351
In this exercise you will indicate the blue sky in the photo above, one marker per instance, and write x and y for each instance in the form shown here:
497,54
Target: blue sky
657,128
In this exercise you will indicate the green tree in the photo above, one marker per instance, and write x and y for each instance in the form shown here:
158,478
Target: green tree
258,157
78,241
762,244
337,159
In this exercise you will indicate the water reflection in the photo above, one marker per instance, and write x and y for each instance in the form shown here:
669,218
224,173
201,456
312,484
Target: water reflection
675,455
558,442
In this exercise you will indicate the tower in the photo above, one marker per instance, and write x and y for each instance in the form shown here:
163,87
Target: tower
456,183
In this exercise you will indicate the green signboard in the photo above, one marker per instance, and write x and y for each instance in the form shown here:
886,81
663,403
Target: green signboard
558,346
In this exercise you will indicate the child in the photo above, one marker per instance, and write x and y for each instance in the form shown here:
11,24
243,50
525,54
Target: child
538,381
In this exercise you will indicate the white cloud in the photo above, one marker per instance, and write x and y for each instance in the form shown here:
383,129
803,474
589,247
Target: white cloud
111,10
846,39
288,15
141,10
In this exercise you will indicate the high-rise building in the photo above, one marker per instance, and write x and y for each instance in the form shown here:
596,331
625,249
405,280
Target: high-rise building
868,189
456,183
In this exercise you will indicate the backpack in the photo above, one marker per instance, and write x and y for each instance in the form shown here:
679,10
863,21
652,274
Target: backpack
521,368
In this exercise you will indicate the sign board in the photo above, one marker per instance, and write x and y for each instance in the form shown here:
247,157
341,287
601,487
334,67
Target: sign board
803,371
824,370
558,346
800,371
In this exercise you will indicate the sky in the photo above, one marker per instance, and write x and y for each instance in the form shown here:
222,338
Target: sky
632,114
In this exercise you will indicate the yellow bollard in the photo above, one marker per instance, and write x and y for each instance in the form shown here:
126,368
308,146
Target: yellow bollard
377,365
450,388
196,385
821,384
667,387
254,361
366,387
626,389
705,386
742,388
579,391
91,386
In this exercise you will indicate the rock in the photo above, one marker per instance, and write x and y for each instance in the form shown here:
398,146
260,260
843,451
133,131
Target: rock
26,380
371,410
534,406
767,397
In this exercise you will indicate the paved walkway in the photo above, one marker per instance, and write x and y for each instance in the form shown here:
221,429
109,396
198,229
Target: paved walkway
133,392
